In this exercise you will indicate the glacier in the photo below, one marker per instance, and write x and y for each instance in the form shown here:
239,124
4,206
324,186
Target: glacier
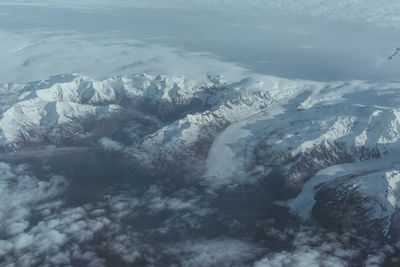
314,138
140,160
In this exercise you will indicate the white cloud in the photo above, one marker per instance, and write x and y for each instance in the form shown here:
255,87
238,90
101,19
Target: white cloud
99,56
88,234
214,252
161,39
62,234
322,248
382,13
19,193
110,145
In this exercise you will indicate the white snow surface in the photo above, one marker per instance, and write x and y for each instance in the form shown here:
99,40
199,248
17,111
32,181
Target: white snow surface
238,131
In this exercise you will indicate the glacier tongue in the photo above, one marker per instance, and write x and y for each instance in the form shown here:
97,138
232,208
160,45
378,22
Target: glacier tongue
309,135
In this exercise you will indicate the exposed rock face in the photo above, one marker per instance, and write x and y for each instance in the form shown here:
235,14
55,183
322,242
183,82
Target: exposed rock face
317,137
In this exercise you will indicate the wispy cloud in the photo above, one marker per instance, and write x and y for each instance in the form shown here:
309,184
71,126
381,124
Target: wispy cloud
42,54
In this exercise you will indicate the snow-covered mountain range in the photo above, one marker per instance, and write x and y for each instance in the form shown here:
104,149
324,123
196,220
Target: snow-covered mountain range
332,147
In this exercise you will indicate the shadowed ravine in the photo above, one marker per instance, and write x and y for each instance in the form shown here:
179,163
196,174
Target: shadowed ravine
105,180
160,170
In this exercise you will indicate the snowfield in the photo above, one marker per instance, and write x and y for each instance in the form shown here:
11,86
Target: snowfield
337,139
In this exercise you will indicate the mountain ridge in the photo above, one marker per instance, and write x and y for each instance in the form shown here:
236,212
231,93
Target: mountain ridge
228,133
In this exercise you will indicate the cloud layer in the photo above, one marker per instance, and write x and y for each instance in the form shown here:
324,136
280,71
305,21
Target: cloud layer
338,40
383,13
28,57
157,224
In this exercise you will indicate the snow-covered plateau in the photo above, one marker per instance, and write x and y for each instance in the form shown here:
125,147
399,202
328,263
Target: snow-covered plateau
328,151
